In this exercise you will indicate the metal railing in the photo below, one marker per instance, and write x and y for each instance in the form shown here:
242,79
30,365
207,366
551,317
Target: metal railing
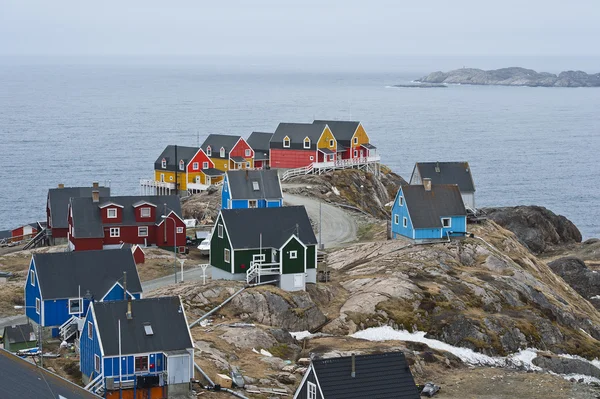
258,269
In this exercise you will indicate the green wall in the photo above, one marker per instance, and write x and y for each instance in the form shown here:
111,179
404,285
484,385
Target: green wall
217,248
293,265
244,257
311,263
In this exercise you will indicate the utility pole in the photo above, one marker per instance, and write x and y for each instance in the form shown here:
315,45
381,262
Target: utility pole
320,226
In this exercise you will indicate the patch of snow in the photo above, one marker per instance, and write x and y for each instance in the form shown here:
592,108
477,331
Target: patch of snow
265,353
595,296
300,335
389,204
586,378
335,190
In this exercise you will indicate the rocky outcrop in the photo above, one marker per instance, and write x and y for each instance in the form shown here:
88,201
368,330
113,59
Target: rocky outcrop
538,228
513,77
562,365
583,280
204,206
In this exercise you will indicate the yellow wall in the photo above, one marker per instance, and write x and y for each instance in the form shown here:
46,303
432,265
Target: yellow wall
232,165
221,164
361,135
324,140
170,177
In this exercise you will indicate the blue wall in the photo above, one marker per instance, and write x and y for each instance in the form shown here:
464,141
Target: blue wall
31,293
402,212
458,224
225,194
116,294
88,348
243,203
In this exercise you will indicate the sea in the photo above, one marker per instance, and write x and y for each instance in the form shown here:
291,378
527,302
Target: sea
64,121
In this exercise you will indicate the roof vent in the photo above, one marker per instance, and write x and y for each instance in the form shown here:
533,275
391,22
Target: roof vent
255,186
148,329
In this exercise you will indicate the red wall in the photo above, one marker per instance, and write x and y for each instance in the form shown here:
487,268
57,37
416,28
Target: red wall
87,244
200,157
288,158
239,150
138,214
160,235
106,219
138,256
59,233
129,235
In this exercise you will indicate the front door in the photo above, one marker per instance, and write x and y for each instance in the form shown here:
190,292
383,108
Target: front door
197,179
208,180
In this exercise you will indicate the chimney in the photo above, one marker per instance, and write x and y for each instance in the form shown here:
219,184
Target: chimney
353,374
427,184
61,185
95,184
95,196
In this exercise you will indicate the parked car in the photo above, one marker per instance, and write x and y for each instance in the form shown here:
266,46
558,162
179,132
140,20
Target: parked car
204,247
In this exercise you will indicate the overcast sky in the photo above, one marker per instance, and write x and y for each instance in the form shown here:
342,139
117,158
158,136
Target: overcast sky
307,27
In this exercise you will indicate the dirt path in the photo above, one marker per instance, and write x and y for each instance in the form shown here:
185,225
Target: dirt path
338,227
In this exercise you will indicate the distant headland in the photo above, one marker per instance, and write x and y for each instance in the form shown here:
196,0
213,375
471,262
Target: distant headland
514,76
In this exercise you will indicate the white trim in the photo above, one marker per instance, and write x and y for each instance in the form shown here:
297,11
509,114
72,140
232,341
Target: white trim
109,204
139,231
247,152
113,286
400,201
116,230
310,385
318,383
405,222
205,163
89,330
294,254
255,203
146,208
306,141
354,139
289,239
227,254
32,277
289,142
306,374
179,230
38,306
222,152
181,165
80,311
108,211
172,212
396,219
186,321
96,328
99,363
220,230
134,366
195,165
449,223
208,151
163,163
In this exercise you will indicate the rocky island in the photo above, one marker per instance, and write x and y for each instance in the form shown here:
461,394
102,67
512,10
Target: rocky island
514,76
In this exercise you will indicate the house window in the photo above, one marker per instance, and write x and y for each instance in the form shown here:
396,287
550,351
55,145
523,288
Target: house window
307,143
355,140
331,142
330,156
224,166
195,165
401,201
171,178
255,186
208,151
90,330
181,165
248,152
163,164
396,219
111,213
404,222
220,230
222,152
204,165
227,255
247,164
446,222
141,363
293,254
75,306
143,231
37,305
32,276
115,231
312,390
355,153
97,363
179,230
162,177
145,212
286,142
312,158
252,204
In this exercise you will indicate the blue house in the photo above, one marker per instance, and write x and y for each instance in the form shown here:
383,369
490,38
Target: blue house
60,286
126,344
251,189
428,211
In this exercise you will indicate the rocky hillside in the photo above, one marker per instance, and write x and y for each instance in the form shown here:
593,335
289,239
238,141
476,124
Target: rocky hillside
513,77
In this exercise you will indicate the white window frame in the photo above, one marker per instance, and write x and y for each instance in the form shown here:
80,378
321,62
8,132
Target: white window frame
163,164
90,330
355,140
355,153
293,254
258,258
115,232
80,305
401,201
396,219
32,276
108,213
227,255
208,151
248,164
248,152
145,210
306,141
287,140
204,165
181,165
220,230
147,364
252,204
179,230
312,158
332,143
97,363
405,222
140,228
170,178
311,390
449,223
330,156
195,165
222,152
38,305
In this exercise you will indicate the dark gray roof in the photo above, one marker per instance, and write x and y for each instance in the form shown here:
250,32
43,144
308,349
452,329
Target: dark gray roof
66,274
449,173
241,184
297,132
276,225
5,234
87,219
381,376
164,315
213,172
326,151
24,380
19,333
259,141
342,130
426,208
58,200
238,159
185,153
216,141
368,146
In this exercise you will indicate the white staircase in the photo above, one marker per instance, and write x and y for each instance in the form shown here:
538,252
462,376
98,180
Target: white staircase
259,269
369,164
305,170
96,385
69,328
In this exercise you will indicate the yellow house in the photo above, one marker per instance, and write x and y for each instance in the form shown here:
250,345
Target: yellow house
228,152
353,141
183,166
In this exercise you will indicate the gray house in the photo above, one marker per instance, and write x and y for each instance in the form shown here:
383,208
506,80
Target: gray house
458,173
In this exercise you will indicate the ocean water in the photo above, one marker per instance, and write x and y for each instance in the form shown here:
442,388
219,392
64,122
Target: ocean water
80,123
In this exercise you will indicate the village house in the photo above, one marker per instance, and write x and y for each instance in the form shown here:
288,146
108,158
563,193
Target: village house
25,380
381,376
5,236
428,211
251,189
259,142
19,337
142,345
186,168
458,173
352,140
265,244
228,152
57,205
61,285
108,222
25,232
296,145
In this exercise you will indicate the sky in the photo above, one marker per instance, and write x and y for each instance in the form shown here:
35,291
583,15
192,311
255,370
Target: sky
299,28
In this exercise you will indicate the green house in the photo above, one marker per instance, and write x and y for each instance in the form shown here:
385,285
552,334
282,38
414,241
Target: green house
19,337
265,244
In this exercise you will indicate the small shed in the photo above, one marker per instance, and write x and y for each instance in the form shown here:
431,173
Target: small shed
4,276
19,337
138,254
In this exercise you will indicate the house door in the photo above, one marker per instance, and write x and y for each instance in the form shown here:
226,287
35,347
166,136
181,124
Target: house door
299,280
162,177
362,154
208,180
178,369
198,180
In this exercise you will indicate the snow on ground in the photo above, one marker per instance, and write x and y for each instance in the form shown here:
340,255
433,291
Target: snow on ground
300,335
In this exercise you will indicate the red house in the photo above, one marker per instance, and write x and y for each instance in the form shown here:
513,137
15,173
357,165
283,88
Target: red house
24,232
138,254
353,141
109,222
57,206
295,145
228,152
